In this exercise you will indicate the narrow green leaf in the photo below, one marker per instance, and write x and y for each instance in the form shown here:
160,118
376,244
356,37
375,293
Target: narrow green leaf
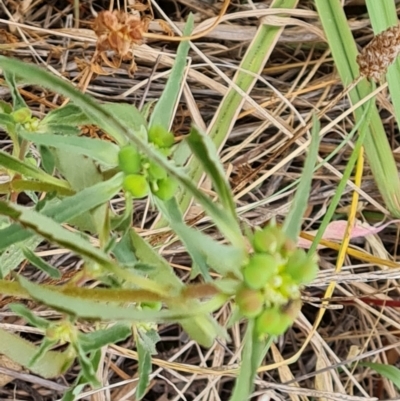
253,352
88,365
29,316
29,170
67,209
41,264
18,100
21,185
99,310
163,272
149,338
294,219
390,372
12,256
144,369
46,345
163,113
100,338
69,115
204,149
205,252
203,329
54,232
98,149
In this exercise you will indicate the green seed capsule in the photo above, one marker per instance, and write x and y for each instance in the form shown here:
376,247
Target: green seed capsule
259,270
156,172
250,302
161,137
129,160
270,239
272,321
302,268
136,185
166,188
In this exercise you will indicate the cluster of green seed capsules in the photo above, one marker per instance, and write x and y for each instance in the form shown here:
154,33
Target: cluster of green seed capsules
272,280
143,175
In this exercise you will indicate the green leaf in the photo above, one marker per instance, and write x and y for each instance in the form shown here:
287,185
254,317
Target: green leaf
79,171
99,310
29,316
149,338
128,115
18,101
204,149
51,230
163,272
163,113
46,345
29,170
203,329
253,353
12,257
390,372
52,364
69,115
41,264
47,159
67,209
144,369
6,120
97,149
100,338
294,219
88,365
124,251
205,252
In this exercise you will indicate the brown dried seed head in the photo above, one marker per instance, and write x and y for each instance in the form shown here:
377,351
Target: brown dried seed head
118,31
380,53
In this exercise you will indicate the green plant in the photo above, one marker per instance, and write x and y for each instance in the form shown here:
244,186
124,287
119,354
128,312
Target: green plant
139,288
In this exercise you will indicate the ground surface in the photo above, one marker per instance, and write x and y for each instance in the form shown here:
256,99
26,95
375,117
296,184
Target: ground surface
261,163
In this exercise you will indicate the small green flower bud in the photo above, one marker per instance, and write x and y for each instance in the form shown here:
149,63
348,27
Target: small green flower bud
136,185
129,160
22,115
250,302
166,188
302,268
156,172
161,137
259,270
288,288
270,239
272,321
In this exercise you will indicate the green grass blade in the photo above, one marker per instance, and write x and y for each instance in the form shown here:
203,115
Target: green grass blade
391,373
294,219
164,110
377,148
383,14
